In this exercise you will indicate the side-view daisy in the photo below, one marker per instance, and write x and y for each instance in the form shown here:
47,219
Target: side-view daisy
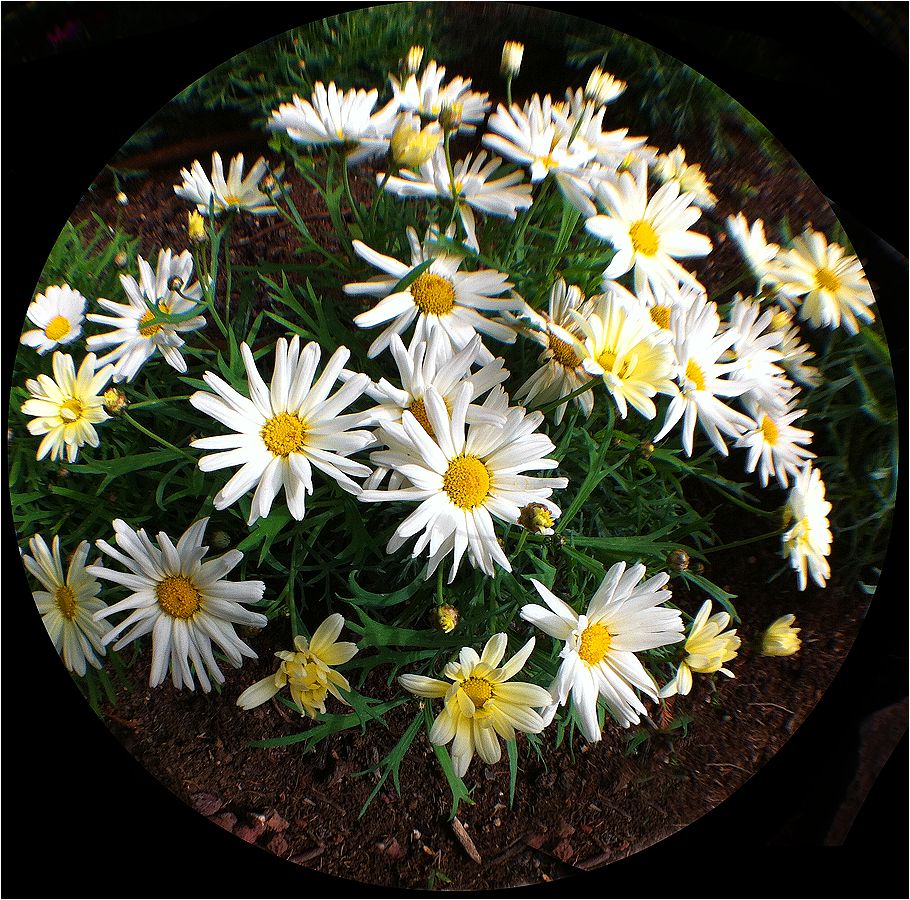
689,176
707,648
623,618
482,703
755,250
832,285
428,96
439,298
307,670
68,406
67,603
134,340
225,194
58,313
183,602
781,638
774,444
462,476
807,540
283,431
648,235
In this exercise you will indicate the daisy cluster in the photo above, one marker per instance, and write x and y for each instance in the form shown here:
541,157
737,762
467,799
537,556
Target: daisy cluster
457,442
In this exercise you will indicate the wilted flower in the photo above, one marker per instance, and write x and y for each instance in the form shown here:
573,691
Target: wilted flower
781,638
536,518
445,618
115,401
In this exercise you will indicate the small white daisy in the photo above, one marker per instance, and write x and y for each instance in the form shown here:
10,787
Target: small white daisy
623,618
283,431
832,285
440,298
427,96
68,406
773,442
689,176
648,235
561,370
133,339
473,188
602,87
807,541
338,117
234,193
67,603
58,313
463,476
183,602
481,702
698,347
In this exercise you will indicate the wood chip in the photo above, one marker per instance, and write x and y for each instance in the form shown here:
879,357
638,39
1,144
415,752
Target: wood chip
465,840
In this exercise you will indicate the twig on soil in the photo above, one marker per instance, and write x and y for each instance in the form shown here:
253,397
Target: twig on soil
308,855
728,766
465,840
132,724
776,706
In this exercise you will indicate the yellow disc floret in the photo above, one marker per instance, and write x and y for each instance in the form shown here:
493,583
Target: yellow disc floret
595,642
433,294
66,602
178,597
478,689
563,352
770,430
466,481
71,410
660,316
826,280
148,330
644,237
695,374
284,434
57,328
419,411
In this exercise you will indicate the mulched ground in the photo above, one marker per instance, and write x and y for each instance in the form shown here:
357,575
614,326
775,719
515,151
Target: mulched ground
589,805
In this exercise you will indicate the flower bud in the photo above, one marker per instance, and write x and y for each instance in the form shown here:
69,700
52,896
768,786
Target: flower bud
536,518
781,320
412,146
781,638
175,284
602,87
122,199
645,449
445,618
220,540
120,260
450,116
411,63
678,560
115,401
512,52
195,227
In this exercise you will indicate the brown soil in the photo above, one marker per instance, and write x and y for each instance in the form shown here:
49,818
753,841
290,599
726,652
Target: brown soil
587,806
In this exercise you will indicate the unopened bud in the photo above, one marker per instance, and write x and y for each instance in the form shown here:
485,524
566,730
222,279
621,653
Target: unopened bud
63,472
411,63
512,52
120,260
536,518
115,401
412,146
195,227
450,116
645,449
602,87
678,560
445,618
175,284
220,540
122,199
781,320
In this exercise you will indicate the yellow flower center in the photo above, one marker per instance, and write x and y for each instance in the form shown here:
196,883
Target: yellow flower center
563,352
71,410
466,481
595,642
148,330
178,597
606,360
770,430
826,280
57,328
66,602
419,411
780,321
695,375
660,316
644,238
433,294
231,200
284,434
478,689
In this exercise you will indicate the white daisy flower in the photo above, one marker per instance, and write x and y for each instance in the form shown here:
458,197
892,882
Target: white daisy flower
781,638
623,618
67,603
808,539
234,193
481,702
68,406
707,648
832,285
794,354
338,117
648,235
602,87
530,136
660,311
133,339
58,313
755,250
698,347
775,443
464,476
427,96
689,176
580,123
183,602
440,298
473,188
425,364
308,671
561,371
284,430
624,348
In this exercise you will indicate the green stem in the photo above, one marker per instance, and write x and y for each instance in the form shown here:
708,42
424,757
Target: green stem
157,438
509,91
439,595
448,154
145,404
549,407
744,542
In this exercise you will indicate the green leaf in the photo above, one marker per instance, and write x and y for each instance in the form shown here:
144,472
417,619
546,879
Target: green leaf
367,598
714,592
512,750
456,785
392,762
